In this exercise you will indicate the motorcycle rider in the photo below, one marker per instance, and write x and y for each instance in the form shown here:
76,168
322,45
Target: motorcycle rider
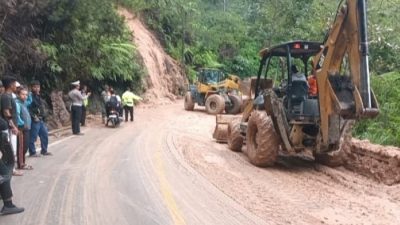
113,103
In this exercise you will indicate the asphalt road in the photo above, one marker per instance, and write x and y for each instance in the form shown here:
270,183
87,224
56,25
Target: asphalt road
128,175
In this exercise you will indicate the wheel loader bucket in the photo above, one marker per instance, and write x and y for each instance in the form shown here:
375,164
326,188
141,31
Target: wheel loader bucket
221,127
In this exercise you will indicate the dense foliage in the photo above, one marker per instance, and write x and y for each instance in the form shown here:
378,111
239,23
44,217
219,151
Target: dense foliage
385,129
60,41
229,33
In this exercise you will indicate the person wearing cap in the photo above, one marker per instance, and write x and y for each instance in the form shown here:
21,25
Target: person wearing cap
76,108
14,137
39,113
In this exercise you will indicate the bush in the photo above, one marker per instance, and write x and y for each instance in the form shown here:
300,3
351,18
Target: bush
385,129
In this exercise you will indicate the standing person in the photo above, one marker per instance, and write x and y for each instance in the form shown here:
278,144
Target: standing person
24,125
38,114
7,162
128,103
76,108
105,96
12,136
9,112
85,95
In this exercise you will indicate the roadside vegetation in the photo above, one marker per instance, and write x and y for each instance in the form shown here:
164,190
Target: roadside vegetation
230,33
60,41
385,129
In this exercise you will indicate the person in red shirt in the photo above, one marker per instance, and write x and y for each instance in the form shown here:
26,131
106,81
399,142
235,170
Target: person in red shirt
312,83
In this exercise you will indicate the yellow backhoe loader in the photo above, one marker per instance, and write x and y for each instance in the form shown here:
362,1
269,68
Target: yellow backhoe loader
216,91
283,118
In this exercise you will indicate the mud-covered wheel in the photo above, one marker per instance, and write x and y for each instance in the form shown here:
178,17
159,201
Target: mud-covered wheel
262,140
215,104
235,139
189,103
235,106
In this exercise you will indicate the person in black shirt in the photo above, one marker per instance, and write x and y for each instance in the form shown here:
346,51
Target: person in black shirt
8,104
7,160
9,113
38,114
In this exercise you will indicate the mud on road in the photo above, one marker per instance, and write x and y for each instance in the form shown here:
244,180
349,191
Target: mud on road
165,168
293,191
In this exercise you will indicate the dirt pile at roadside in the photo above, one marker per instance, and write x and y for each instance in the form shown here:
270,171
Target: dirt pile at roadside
165,80
379,162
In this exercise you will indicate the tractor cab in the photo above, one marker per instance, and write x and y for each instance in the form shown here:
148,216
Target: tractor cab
286,66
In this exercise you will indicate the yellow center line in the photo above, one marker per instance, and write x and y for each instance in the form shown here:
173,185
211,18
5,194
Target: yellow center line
166,191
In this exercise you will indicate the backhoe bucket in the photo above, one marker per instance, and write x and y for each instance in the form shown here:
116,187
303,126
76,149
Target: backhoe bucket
221,127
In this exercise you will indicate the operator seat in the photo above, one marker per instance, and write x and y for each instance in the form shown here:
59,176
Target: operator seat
298,95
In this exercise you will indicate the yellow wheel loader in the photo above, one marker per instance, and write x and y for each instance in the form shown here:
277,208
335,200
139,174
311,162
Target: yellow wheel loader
216,91
284,119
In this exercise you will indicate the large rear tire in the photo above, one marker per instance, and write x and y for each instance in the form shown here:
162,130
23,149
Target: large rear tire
236,104
235,139
215,104
189,103
262,140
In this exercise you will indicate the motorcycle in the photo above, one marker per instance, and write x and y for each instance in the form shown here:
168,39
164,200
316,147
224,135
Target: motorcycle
113,118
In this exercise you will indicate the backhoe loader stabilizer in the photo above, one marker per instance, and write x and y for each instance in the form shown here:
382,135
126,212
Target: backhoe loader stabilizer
369,100
365,79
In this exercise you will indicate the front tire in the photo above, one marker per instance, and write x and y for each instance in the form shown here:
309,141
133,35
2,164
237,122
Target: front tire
262,141
235,139
215,104
189,103
236,104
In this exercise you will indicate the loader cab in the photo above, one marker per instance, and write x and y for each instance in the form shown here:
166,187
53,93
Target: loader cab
210,76
277,64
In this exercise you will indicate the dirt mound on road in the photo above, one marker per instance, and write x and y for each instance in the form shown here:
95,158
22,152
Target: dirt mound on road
165,80
379,162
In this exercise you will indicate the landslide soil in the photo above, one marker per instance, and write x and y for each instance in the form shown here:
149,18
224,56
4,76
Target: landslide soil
164,79
293,191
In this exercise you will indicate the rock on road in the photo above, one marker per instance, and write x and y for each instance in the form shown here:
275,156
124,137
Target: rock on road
164,168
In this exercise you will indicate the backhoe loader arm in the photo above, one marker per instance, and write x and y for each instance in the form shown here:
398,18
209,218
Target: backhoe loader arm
344,96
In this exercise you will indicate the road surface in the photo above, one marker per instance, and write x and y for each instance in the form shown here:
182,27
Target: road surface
164,168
